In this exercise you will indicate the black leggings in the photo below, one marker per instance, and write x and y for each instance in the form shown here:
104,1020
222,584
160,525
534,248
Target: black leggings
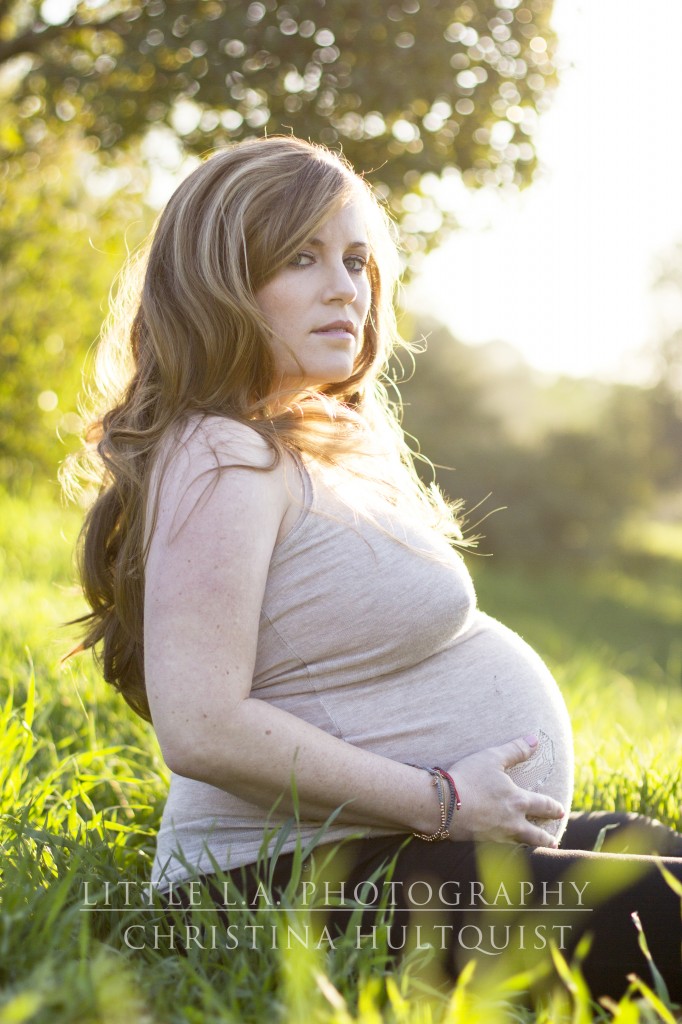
503,904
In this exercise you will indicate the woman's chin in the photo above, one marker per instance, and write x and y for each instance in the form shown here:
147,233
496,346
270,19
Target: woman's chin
317,381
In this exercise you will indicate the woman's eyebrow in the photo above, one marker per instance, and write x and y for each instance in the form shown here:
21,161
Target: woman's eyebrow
319,244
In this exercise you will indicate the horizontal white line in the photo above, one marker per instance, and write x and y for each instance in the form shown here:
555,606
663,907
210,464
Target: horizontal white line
327,910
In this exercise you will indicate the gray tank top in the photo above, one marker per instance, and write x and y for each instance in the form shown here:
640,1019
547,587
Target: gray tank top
369,630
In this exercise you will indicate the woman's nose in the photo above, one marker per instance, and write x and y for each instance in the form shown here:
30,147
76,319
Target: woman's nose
340,286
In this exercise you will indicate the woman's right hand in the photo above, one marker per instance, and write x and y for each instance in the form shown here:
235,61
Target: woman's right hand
493,807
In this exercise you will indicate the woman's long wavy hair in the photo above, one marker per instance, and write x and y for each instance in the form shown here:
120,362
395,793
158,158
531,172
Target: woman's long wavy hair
186,338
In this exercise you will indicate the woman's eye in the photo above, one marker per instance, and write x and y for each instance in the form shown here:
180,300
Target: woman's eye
356,264
302,259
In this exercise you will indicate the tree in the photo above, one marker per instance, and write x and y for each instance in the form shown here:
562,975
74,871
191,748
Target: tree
562,491
405,88
60,247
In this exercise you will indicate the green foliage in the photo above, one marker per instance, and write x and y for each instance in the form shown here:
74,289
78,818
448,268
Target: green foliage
405,89
82,787
554,469
60,248
626,612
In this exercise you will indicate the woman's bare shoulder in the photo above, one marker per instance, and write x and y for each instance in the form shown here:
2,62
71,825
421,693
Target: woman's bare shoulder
208,463
221,441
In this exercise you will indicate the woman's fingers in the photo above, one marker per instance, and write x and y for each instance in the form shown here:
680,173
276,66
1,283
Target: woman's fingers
542,806
494,807
517,750
533,835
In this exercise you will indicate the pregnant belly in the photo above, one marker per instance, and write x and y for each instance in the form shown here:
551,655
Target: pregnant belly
506,691
486,688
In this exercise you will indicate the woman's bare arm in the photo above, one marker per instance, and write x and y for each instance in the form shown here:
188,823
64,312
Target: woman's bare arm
205,581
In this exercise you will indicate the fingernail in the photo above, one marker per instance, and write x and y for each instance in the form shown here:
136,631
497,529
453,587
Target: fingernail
531,740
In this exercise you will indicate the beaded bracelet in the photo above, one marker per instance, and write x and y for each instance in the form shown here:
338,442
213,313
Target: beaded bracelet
442,833
455,802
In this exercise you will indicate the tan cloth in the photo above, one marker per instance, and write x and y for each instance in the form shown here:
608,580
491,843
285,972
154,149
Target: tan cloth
369,630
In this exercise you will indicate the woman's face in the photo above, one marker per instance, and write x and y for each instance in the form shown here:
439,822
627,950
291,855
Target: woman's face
317,305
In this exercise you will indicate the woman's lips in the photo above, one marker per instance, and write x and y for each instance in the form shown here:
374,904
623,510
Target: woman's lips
337,329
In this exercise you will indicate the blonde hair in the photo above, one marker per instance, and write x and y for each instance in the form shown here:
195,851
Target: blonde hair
187,337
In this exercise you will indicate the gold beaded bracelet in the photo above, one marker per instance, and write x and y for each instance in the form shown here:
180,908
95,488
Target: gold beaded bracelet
442,833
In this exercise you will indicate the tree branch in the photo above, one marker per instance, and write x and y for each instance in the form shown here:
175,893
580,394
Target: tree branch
33,40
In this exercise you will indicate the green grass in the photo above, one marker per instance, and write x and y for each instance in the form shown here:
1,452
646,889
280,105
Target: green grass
82,787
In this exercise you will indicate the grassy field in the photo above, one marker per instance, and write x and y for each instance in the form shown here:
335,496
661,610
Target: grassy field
82,787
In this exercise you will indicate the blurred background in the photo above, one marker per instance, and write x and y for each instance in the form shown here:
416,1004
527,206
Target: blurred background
529,151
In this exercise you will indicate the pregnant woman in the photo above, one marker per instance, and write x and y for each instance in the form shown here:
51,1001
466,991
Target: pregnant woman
273,588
